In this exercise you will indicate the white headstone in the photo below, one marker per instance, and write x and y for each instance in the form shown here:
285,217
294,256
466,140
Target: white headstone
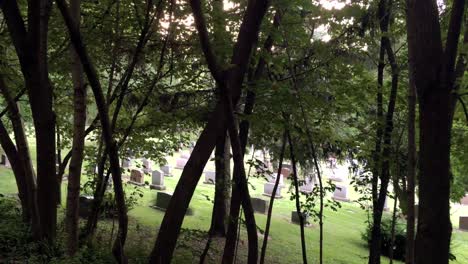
146,165
166,169
268,190
341,193
180,163
210,177
272,179
157,179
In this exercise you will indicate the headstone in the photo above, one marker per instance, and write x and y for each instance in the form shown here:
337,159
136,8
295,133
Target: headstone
162,202
295,218
185,155
146,166
307,187
7,163
463,223
180,163
268,190
260,205
286,172
86,203
166,169
3,159
136,177
157,179
210,177
341,193
126,163
386,208
464,200
272,179
336,178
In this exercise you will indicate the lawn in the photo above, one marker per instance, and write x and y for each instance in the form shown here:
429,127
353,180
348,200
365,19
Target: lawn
342,228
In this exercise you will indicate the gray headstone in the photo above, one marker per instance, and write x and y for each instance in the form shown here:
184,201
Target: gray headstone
463,223
268,190
126,163
341,193
86,203
157,178
185,155
260,205
307,187
210,177
136,177
162,202
272,179
166,169
180,163
295,218
146,165
7,162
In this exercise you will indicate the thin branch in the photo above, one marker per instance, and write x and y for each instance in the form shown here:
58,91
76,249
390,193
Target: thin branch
16,99
200,24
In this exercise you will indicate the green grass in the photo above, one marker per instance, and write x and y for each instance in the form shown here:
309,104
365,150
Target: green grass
342,228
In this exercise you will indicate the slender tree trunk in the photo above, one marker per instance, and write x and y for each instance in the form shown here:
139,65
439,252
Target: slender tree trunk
79,121
298,205
40,97
392,237
248,33
411,176
118,248
222,184
240,179
28,180
18,170
379,196
58,163
272,200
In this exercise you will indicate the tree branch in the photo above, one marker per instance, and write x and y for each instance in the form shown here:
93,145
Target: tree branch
453,35
200,24
16,99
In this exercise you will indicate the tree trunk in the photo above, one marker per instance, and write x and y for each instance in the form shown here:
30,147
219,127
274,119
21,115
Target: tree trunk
392,239
28,180
432,69
118,247
18,170
298,205
379,196
40,97
411,176
248,34
79,121
223,177
272,200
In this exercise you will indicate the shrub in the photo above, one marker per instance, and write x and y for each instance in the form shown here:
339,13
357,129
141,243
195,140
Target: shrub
399,245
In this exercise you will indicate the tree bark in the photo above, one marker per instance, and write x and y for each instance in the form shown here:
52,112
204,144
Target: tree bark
222,185
75,36
298,205
272,200
432,69
380,195
40,97
26,175
79,121
248,33
411,176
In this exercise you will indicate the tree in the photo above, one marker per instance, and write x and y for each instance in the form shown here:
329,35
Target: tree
432,69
